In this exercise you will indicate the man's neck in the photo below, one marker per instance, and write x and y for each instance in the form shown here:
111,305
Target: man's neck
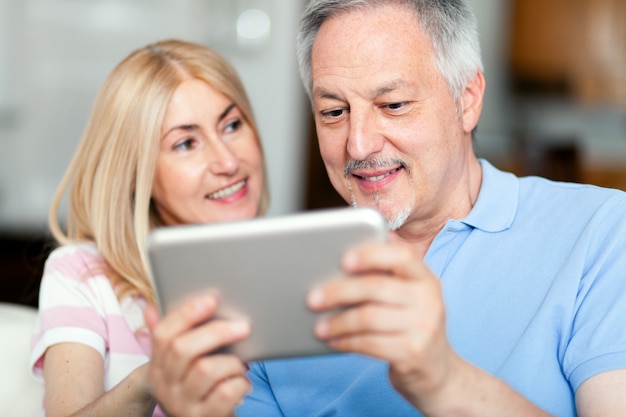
420,233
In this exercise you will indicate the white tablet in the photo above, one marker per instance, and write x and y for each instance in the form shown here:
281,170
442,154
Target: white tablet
262,269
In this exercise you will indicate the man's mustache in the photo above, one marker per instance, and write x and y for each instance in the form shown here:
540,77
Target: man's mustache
372,163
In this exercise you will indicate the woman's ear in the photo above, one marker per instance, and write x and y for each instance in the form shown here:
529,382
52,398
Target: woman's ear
472,101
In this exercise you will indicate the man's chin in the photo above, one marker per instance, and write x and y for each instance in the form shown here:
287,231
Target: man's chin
396,223
394,219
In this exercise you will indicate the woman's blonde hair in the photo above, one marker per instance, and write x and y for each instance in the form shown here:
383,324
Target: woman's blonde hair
109,180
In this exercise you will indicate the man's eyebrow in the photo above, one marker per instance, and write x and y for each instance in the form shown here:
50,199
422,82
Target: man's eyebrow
387,88
321,92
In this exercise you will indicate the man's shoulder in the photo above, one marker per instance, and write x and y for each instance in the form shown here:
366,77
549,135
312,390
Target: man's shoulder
543,188
543,202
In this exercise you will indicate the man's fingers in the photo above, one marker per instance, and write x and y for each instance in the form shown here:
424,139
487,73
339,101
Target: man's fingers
395,259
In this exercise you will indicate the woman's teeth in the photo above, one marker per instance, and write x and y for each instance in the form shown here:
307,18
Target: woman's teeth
226,192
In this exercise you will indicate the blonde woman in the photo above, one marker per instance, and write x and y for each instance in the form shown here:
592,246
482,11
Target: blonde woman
171,140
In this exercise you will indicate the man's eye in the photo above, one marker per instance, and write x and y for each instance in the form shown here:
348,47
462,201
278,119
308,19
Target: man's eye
395,106
332,113
184,145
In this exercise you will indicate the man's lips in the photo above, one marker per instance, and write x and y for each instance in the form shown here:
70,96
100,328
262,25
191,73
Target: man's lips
378,176
226,191
375,174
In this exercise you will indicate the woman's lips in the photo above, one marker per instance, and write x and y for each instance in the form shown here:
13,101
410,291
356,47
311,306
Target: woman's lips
226,191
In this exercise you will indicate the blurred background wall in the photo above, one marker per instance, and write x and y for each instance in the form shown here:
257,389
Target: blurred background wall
555,103
55,55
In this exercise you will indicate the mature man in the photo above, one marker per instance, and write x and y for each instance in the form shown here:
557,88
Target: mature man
498,296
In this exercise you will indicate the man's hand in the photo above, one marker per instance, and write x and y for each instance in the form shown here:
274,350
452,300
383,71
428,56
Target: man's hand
392,309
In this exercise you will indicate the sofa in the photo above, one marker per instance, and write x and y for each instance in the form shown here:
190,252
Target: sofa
20,394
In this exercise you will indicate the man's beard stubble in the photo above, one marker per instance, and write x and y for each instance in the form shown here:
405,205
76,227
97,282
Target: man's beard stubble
397,219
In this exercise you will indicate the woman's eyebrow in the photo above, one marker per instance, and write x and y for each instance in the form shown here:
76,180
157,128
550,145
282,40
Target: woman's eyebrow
190,127
186,128
226,111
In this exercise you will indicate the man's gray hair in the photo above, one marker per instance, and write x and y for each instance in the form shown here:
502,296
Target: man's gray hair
451,25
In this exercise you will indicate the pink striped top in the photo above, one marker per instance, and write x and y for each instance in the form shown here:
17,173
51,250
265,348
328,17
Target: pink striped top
78,304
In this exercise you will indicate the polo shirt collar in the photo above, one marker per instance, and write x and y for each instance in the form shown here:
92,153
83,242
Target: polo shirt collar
497,201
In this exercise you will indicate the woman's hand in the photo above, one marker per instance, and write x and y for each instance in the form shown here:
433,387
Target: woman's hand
185,377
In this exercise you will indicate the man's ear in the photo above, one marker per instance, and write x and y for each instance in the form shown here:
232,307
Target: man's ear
472,101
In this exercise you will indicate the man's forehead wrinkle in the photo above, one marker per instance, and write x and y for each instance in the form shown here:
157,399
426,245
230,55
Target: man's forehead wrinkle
321,92
389,87
346,73
384,88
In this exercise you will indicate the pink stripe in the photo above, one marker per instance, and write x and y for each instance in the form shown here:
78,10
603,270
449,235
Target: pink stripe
117,335
122,339
77,265
143,338
68,316
39,363
71,316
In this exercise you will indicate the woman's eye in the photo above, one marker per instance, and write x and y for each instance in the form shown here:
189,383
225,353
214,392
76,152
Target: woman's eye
233,126
184,145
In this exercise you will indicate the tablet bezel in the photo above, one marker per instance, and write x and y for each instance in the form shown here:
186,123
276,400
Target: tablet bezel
268,266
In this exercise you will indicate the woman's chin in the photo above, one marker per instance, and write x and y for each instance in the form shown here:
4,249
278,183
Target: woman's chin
242,213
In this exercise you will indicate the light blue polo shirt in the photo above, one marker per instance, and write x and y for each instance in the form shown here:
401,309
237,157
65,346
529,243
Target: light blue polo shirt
534,282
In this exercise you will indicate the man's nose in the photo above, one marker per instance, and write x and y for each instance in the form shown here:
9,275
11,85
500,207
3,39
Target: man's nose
364,137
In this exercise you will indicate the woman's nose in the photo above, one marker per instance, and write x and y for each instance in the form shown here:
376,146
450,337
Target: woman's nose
222,159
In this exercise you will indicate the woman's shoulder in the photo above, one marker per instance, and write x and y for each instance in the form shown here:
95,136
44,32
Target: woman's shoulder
76,274
75,259
83,248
